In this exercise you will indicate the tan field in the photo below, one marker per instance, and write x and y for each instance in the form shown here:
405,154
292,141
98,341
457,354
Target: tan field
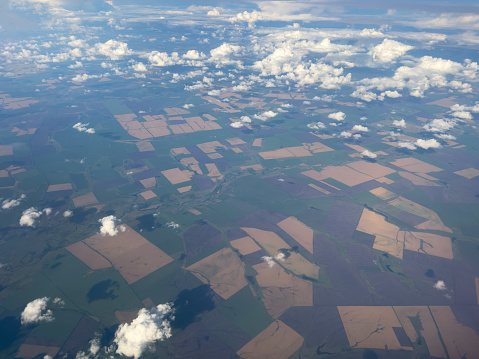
18,103
175,176
318,188
256,167
209,117
3,173
426,176
428,331
92,259
144,146
176,111
210,147
317,147
277,341
148,194
245,245
184,189
125,118
159,131
371,327
257,142
194,211
355,147
343,174
179,151
130,253
214,155
85,200
412,164
445,102
383,193
148,182
374,170
59,187
431,225
282,290
469,173
235,141
461,341
6,150
126,317
432,244
213,170
272,244
30,351
188,161
388,237
416,180
299,231
276,154
223,271
236,150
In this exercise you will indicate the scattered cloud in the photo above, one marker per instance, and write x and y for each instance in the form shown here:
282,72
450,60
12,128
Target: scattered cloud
135,338
29,216
389,50
337,116
369,154
399,123
269,260
237,124
440,285
108,226
360,128
67,213
11,203
439,125
265,115
345,134
420,143
316,126
82,127
36,311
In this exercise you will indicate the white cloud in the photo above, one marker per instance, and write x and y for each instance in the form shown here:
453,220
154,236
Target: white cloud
392,94
406,144
427,144
10,203
139,67
269,260
316,126
133,339
439,125
29,216
84,77
249,17
221,55
108,226
82,127
389,50
47,211
444,136
345,134
245,119
338,116
161,59
194,55
265,115
440,285
360,128
237,124
67,213
172,225
214,12
369,154
113,49
399,123
36,311
188,106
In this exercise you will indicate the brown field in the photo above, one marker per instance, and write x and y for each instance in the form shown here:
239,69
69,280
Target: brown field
175,176
235,141
148,194
282,290
356,147
299,231
412,164
317,147
445,102
272,244
137,169
159,131
432,244
213,170
426,176
17,103
416,180
59,187
6,150
148,182
281,153
188,161
477,289
209,117
343,174
85,200
469,173
130,253
3,174
374,170
223,271
318,188
371,327
30,351
383,193
179,151
461,341
428,331
126,317
236,150
388,237
257,142
184,189
144,146
194,211
245,245
175,111
125,118
256,167
277,341
210,147
92,259
214,155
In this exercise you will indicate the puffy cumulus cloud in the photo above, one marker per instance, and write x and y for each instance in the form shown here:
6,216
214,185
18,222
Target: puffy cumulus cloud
84,77
214,12
392,94
316,126
82,127
237,124
337,116
269,260
194,55
420,143
407,145
449,20
369,154
440,285
133,339
389,50
161,59
362,93
463,115
249,17
188,106
246,119
445,137
265,115
29,216
11,203
399,123
439,125
360,128
67,213
36,311
345,134
139,67
113,49
221,55
108,226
